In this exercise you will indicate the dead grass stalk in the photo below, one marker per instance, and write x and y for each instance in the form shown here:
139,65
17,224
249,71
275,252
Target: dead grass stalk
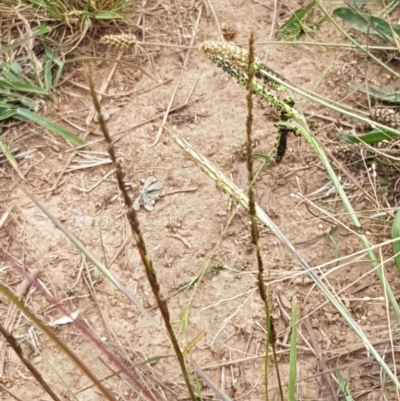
135,227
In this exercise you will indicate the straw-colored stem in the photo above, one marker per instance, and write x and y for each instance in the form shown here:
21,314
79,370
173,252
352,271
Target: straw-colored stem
134,223
32,317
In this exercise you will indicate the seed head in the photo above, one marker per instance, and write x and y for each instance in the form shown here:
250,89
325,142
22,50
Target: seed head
229,52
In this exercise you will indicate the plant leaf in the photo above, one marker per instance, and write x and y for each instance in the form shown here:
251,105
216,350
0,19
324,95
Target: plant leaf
294,27
293,355
47,74
345,388
136,204
6,113
148,204
385,95
367,23
56,60
370,138
156,186
147,183
396,234
9,156
22,87
153,194
106,15
44,122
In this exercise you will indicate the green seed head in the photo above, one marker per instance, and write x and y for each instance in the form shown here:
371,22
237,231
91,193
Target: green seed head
229,52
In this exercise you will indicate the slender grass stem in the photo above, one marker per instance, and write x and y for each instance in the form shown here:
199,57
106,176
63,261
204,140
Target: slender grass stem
137,234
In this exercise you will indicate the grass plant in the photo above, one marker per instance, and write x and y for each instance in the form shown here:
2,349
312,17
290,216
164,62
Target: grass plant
19,93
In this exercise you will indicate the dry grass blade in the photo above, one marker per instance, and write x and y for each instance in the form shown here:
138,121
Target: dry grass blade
56,340
134,223
106,272
10,157
209,383
18,350
229,187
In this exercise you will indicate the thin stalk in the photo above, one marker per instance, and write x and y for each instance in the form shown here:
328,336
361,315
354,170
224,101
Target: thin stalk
324,44
137,234
266,298
293,354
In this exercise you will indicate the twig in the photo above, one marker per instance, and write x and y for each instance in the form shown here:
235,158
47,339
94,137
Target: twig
9,392
178,191
120,249
94,185
69,161
180,239
120,94
330,119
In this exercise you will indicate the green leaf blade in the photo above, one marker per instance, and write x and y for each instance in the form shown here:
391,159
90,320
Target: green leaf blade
44,122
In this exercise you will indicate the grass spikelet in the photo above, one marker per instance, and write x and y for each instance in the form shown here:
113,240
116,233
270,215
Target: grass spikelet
230,52
232,58
121,41
135,227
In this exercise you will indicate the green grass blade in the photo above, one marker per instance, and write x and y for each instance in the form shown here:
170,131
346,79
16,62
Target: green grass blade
7,112
370,138
57,61
36,118
16,97
22,87
353,41
366,23
294,27
345,388
42,30
48,79
53,57
107,15
396,234
385,95
9,156
293,355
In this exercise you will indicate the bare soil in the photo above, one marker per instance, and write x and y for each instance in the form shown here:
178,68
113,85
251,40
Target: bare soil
184,233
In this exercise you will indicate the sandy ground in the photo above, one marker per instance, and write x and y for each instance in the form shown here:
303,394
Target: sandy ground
185,232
